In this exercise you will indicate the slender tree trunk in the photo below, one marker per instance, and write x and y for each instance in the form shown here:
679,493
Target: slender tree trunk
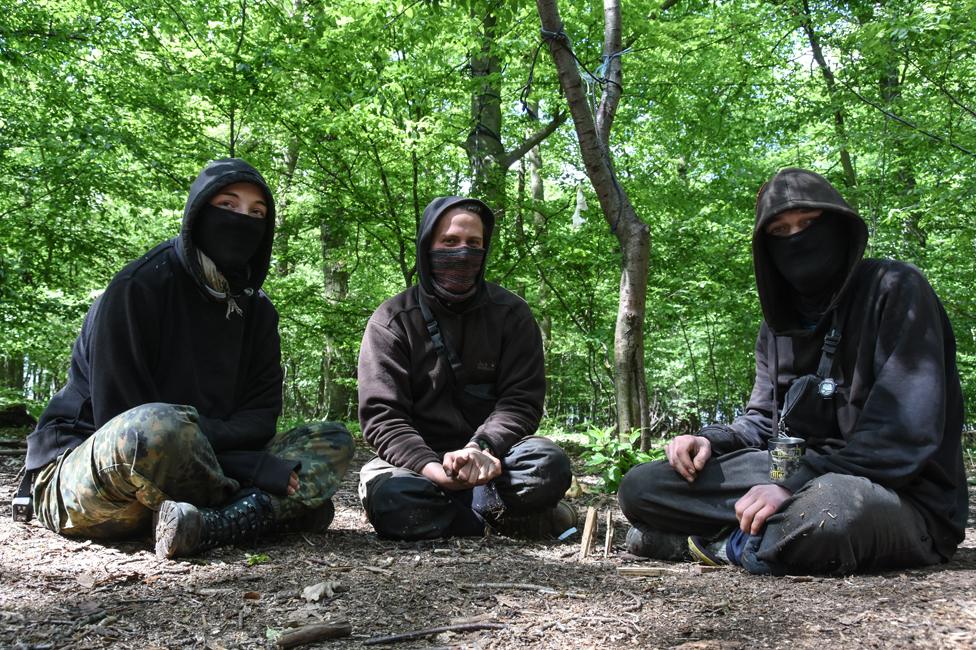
281,201
334,399
484,145
12,367
850,178
537,190
593,133
488,160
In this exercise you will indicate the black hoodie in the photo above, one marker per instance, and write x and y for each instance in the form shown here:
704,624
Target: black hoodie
159,334
408,407
898,411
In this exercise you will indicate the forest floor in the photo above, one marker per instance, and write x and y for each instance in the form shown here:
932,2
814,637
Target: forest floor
60,593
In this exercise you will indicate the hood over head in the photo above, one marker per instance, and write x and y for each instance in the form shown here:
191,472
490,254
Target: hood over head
216,175
792,189
425,234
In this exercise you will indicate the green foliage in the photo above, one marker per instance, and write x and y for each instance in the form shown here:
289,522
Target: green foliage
358,112
609,456
254,559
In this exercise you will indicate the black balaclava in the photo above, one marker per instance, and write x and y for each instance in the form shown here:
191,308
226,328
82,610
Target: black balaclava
228,238
243,279
801,278
812,260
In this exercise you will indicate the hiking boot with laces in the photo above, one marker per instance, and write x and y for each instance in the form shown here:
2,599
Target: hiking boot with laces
558,522
182,529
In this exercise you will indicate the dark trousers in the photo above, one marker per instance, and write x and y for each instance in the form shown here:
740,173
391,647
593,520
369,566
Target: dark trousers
402,504
835,524
109,486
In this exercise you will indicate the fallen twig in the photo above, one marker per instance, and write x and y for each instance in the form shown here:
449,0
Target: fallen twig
312,633
633,607
525,587
418,634
376,569
13,452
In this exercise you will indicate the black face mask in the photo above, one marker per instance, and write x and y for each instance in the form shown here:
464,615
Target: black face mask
813,259
229,238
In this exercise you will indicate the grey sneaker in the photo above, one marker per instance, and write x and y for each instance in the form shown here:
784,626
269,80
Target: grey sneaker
558,522
657,545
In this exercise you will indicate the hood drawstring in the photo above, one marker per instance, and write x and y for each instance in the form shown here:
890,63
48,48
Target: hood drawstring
217,285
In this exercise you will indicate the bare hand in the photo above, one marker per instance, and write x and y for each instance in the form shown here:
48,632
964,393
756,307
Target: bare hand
688,455
471,466
292,484
434,472
758,505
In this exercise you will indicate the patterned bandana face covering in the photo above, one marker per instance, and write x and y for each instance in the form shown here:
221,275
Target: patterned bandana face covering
455,270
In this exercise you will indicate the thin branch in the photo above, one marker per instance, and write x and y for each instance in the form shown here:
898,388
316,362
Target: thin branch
431,631
907,123
533,140
524,586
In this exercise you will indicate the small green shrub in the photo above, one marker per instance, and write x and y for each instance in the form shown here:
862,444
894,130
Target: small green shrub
609,456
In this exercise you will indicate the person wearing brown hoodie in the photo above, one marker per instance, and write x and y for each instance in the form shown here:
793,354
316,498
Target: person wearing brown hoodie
855,356
451,389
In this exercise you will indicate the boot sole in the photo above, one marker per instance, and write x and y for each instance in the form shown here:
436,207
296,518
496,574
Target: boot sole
172,530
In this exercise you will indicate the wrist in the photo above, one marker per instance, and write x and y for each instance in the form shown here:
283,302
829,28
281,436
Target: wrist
481,445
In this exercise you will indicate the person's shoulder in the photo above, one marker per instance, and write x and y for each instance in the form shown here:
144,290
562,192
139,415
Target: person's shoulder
893,274
391,310
497,295
152,270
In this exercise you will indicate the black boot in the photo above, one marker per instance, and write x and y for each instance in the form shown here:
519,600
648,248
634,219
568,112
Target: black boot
315,520
183,529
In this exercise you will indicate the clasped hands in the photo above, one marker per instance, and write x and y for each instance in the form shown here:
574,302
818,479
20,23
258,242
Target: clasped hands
463,469
688,455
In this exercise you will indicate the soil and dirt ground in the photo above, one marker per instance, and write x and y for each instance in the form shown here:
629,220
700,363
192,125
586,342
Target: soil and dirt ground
60,593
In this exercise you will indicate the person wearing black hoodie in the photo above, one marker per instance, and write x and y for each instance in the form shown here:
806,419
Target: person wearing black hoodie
174,389
451,388
855,356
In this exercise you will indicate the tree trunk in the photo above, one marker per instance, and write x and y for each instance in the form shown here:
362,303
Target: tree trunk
334,398
487,158
537,190
632,234
281,201
850,178
484,144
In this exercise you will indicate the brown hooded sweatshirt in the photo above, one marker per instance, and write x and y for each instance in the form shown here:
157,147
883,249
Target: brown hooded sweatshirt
897,415
409,408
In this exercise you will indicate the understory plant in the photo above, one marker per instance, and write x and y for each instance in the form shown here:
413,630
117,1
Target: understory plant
610,456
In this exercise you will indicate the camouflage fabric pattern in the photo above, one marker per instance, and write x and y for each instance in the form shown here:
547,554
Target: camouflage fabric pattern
109,486
325,450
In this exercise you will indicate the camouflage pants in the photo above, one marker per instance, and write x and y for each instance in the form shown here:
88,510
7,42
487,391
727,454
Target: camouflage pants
109,486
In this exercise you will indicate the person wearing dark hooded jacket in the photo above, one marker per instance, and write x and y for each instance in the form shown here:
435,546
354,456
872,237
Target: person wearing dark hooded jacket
451,389
856,357
174,389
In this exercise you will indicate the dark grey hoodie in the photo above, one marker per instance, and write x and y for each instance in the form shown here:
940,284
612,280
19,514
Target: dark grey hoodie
898,412
408,407
158,334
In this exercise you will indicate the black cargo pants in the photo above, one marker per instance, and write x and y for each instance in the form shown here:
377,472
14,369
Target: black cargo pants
835,524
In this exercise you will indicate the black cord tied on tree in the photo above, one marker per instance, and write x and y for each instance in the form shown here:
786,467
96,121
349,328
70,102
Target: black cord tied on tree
588,77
